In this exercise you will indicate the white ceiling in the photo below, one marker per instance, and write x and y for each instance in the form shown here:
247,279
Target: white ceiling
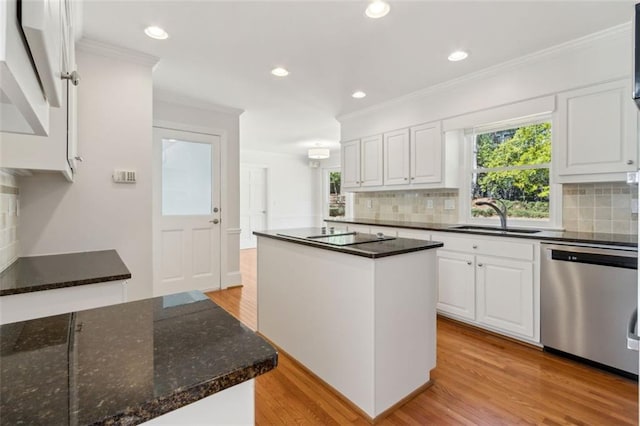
222,52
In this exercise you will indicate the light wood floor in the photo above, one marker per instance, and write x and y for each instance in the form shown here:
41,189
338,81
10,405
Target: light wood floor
479,379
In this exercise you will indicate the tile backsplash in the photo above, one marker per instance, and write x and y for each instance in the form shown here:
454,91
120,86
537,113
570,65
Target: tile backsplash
426,206
8,219
590,207
600,207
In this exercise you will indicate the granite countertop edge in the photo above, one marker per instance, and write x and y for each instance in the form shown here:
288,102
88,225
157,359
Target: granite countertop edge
560,236
357,249
63,284
62,270
182,397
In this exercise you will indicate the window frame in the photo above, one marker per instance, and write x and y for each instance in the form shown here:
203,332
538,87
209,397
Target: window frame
326,171
555,190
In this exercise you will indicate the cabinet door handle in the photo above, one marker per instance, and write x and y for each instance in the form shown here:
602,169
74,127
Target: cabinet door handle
479,265
406,179
469,262
475,246
629,162
413,177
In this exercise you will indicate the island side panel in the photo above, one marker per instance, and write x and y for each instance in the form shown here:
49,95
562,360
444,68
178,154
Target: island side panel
232,406
317,305
405,325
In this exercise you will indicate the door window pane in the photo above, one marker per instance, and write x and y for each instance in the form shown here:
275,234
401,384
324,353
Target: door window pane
186,178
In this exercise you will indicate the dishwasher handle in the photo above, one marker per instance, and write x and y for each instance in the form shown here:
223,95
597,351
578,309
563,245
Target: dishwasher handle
633,341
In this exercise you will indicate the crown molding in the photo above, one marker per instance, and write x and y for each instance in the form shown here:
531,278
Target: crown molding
98,47
171,97
609,33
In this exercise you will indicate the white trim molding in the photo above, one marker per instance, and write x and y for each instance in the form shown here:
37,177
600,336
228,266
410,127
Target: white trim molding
622,30
114,51
163,95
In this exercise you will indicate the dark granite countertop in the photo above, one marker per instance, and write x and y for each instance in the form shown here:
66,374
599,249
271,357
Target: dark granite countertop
373,250
124,364
38,273
560,236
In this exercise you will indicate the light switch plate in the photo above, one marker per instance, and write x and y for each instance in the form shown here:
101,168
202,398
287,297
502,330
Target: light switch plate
449,204
124,176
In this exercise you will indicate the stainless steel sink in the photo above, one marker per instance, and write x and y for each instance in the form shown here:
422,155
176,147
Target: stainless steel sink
495,229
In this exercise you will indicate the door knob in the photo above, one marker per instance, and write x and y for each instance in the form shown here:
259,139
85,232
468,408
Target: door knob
215,210
214,221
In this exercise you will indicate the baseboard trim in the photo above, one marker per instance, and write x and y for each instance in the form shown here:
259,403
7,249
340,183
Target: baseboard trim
233,279
371,420
490,332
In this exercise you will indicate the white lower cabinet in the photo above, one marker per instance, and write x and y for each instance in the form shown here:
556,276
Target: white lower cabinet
490,282
504,292
456,287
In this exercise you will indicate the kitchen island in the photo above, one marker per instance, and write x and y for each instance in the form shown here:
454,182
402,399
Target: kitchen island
361,316
176,359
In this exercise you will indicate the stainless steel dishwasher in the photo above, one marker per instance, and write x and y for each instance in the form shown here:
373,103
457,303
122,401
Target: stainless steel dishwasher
588,303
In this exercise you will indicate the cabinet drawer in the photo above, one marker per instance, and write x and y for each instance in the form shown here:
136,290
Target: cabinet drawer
498,246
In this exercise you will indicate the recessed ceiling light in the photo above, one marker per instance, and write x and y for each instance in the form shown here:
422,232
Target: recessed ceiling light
377,9
458,55
280,72
156,32
359,94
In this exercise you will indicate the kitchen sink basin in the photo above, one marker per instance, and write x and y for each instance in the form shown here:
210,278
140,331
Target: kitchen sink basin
496,229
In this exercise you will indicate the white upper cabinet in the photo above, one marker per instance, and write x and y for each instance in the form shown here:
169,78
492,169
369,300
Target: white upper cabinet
595,134
362,162
23,106
417,157
426,153
55,152
396,157
371,161
35,52
350,159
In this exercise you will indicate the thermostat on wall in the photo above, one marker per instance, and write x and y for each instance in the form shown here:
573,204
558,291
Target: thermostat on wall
124,176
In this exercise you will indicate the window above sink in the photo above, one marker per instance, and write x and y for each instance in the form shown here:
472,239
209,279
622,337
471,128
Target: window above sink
510,162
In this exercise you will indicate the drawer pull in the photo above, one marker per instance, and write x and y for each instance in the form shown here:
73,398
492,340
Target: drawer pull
469,263
479,265
475,246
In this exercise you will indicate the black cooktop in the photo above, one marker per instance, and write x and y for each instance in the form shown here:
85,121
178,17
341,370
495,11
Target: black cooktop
338,239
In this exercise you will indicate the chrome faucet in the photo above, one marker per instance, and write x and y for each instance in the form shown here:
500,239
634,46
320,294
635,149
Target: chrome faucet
502,212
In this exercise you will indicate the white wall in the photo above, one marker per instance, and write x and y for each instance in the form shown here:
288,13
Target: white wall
114,131
292,197
596,58
186,114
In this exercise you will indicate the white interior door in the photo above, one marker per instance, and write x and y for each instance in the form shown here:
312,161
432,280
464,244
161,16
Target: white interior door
253,203
186,210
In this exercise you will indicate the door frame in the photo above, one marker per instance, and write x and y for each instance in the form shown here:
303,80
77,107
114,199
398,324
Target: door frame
267,194
227,233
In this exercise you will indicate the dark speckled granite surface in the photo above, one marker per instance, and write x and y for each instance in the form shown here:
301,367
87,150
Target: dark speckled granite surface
567,237
124,364
371,250
38,273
